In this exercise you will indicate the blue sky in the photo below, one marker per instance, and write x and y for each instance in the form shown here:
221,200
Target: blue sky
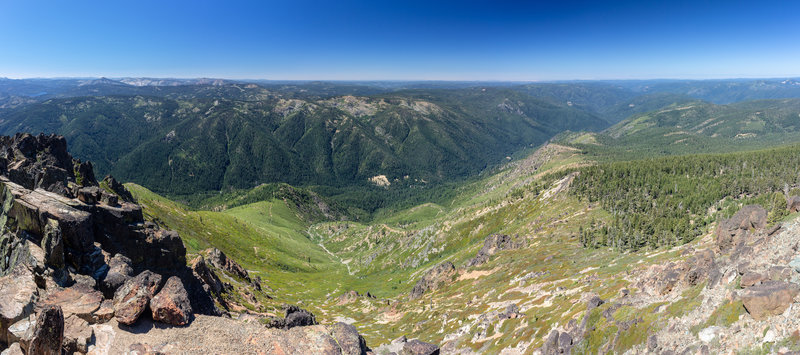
400,40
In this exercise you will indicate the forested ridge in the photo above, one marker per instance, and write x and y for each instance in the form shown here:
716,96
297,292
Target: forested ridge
671,200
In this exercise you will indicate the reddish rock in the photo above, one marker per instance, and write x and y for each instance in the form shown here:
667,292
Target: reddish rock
17,296
171,305
80,301
132,298
48,334
104,313
733,231
769,298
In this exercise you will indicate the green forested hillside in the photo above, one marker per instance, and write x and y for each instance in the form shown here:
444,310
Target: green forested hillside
182,146
666,201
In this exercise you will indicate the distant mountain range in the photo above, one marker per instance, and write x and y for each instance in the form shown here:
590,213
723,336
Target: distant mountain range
183,136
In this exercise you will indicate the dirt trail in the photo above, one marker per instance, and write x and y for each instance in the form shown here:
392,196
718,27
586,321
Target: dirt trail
334,256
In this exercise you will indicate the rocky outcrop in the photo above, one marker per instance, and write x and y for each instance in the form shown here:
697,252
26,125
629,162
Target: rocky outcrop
119,271
293,317
211,283
21,162
557,343
171,305
752,278
698,268
769,298
132,298
701,267
48,333
352,296
493,244
78,300
222,262
68,242
18,293
113,186
733,231
433,279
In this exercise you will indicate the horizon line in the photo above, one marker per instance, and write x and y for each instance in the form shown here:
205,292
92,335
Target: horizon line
402,80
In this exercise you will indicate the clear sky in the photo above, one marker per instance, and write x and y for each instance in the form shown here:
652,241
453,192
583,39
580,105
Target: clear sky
400,40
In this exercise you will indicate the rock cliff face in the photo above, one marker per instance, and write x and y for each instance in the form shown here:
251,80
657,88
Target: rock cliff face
66,242
79,265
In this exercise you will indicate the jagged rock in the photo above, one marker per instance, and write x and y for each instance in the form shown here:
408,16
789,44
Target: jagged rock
793,203
550,346
30,211
114,186
433,279
104,313
132,298
297,317
48,334
171,304
119,271
14,349
77,335
221,261
89,195
751,279
667,281
294,317
84,173
79,301
20,160
18,293
83,281
594,302
701,267
339,338
349,297
348,338
769,298
732,231
53,244
210,281
492,245
22,331
418,347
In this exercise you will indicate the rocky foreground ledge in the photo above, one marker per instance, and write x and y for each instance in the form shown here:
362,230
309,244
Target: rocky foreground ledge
82,272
